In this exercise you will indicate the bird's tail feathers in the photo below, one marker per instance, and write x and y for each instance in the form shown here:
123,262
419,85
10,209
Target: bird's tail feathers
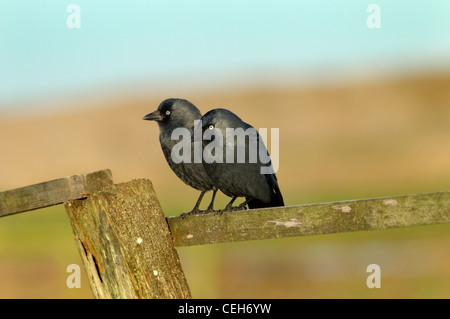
276,198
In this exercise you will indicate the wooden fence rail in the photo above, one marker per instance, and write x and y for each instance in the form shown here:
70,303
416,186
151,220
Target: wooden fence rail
53,192
127,245
312,219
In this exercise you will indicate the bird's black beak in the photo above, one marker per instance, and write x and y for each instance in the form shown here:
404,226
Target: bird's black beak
154,116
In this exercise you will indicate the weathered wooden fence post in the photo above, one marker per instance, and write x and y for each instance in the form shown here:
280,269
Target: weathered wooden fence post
125,244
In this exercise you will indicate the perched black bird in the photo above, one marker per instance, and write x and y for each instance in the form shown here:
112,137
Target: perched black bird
238,176
175,114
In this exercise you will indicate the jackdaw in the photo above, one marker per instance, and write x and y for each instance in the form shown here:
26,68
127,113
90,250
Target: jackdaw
175,114
235,175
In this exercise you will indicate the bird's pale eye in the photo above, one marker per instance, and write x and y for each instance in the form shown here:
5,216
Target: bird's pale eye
167,112
211,127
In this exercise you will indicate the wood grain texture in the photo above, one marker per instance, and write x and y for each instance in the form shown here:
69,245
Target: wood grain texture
125,244
52,192
313,219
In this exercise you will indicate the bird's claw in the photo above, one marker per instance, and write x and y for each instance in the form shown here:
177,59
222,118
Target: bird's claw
191,213
229,209
183,215
199,212
209,210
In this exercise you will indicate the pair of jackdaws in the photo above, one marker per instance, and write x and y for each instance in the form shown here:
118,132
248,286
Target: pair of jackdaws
216,151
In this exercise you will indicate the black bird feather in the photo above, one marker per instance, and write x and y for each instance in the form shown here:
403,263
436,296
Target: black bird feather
176,113
239,179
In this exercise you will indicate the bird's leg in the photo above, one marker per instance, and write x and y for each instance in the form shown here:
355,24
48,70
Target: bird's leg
229,206
211,205
196,209
242,205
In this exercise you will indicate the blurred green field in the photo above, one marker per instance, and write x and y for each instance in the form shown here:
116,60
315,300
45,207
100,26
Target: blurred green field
362,140
36,248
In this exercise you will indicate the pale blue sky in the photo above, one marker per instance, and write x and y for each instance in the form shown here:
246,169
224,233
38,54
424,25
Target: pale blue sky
209,41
